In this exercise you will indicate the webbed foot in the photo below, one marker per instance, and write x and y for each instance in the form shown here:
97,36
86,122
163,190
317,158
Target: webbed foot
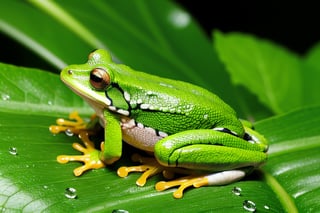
73,126
219,178
90,157
183,183
149,168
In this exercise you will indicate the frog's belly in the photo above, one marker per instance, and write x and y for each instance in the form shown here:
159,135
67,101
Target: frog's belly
141,137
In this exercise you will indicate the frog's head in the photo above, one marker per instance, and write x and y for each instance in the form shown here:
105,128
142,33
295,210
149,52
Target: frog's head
90,80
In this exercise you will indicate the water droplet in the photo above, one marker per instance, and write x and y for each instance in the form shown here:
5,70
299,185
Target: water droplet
49,102
5,97
45,187
266,207
236,190
13,150
69,132
70,193
119,211
249,205
179,18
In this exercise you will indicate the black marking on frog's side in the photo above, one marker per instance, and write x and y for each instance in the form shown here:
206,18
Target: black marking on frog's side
226,130
247,137
114,108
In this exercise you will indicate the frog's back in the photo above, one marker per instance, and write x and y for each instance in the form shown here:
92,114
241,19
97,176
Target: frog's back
189,106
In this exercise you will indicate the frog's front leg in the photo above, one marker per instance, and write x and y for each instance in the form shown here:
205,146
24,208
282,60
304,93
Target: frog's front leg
221,157
92,158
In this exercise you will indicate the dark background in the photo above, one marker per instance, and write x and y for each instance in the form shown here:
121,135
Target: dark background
294,25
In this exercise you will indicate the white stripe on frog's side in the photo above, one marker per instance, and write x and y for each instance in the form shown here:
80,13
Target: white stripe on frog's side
119,111
123,112
126,96
139,136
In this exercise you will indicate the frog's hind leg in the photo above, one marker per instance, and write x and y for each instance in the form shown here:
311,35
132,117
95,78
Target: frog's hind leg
221,158
220,178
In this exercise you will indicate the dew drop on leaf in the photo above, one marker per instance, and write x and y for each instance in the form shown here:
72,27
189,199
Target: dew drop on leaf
70,193
179,18
13,150
249,205
120,211
236,191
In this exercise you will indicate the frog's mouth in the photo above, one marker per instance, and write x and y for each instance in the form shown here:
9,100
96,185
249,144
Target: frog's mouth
96,99
91,97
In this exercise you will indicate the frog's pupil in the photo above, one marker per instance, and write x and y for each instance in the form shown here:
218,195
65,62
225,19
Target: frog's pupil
94,77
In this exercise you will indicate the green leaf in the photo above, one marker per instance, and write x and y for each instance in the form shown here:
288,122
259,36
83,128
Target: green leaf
294,160
41,34
263,68
310,76
30,91
33,181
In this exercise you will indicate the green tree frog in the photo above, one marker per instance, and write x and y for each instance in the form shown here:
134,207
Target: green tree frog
188,129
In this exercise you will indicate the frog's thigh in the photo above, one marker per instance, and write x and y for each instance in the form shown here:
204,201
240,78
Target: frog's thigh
206,150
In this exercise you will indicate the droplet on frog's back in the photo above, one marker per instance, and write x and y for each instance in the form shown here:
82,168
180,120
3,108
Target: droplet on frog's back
236,191
70,193
249,205
13,150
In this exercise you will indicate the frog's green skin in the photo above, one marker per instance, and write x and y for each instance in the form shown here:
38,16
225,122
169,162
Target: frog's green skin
184,125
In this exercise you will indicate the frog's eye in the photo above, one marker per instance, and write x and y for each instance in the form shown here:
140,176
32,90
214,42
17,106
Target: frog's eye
99,78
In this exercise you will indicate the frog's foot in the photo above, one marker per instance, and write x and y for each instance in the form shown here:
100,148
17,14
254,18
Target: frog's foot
183,183
149,167
90,156
220,178
73,126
